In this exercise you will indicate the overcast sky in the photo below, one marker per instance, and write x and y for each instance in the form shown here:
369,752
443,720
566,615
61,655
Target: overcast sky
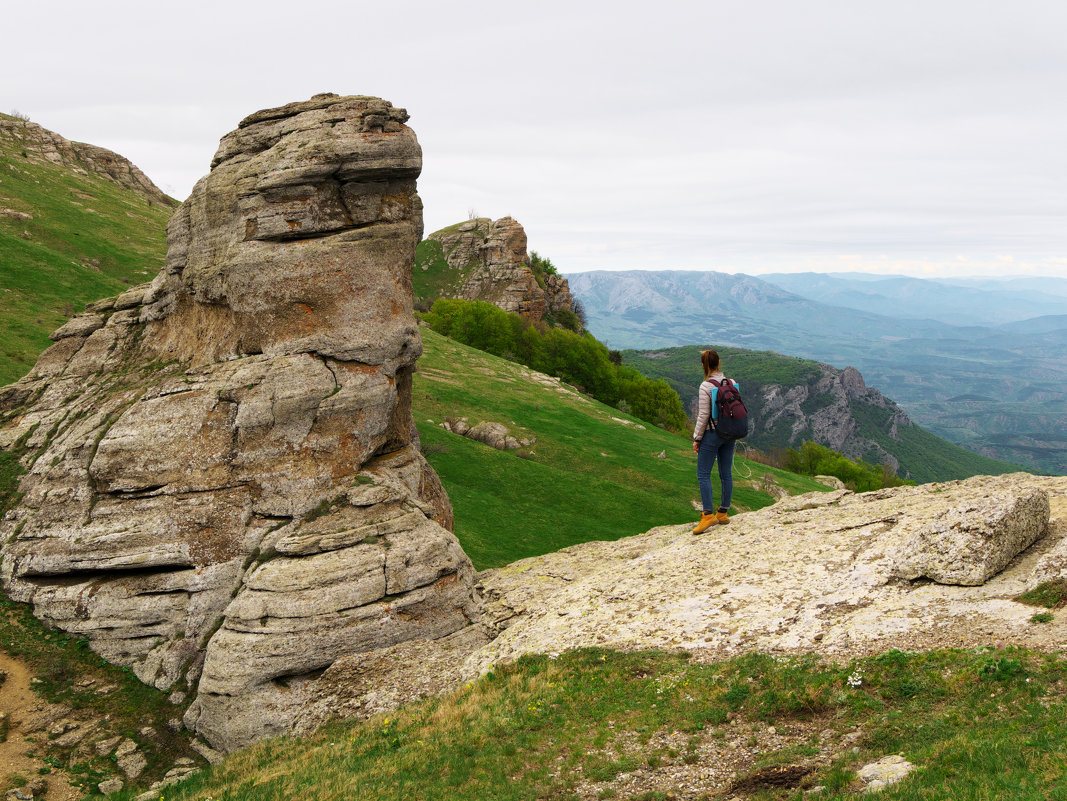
921,137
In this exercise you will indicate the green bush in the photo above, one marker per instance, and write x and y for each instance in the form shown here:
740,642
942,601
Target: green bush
577,358
817,460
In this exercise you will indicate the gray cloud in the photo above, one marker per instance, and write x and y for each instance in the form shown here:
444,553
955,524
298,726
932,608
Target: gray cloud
773,135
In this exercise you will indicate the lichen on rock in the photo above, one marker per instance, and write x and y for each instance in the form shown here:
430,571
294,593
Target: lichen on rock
222,491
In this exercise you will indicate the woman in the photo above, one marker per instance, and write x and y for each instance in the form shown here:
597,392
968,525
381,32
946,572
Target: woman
709,447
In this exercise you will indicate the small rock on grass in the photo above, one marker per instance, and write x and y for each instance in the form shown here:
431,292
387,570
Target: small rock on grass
886,771
112,785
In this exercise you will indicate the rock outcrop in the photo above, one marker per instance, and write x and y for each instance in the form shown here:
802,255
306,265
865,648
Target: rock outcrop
495,435
824,411
487,260
827,572
38,142
222,492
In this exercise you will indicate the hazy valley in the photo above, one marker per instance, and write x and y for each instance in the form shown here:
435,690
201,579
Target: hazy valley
999,390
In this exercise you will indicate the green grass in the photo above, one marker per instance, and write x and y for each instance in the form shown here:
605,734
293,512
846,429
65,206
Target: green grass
587,476
1050,594
47,269
979,724
432,276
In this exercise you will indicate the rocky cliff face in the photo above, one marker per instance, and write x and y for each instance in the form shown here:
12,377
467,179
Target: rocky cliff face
38,142
487,261
222,492
823,411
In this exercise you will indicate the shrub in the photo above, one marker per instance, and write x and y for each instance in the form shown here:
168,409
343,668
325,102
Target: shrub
577,358
817,460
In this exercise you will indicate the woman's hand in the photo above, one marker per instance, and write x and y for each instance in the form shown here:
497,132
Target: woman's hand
696,446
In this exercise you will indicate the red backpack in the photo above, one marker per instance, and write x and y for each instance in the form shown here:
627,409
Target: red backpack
732,419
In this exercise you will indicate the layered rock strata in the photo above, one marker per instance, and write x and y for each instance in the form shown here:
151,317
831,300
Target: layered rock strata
823,411
490,261
222,492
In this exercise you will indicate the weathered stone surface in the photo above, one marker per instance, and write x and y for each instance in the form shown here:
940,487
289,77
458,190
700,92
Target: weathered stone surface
130,759
109,786
973,539
811,573
222,493
495,435
886,771
491,258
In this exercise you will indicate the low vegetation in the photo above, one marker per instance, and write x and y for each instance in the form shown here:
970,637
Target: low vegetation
859,476
579,359
987,723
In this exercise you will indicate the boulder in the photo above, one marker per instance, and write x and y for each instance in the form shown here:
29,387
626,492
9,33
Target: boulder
971,540
222,492
886,771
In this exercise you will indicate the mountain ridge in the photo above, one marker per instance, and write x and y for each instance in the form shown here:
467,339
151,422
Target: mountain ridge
920,364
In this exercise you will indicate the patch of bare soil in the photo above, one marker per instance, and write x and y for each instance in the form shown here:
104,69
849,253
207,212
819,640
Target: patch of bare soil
18,767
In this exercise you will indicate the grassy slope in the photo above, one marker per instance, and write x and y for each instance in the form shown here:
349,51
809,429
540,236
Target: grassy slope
43,273
588,477
651,726
925,456
69,673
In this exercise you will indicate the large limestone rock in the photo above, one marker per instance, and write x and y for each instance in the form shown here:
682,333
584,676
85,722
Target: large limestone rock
222,493
490,262
827,572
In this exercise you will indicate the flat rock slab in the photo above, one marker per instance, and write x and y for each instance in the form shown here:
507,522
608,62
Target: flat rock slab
886,771
820,572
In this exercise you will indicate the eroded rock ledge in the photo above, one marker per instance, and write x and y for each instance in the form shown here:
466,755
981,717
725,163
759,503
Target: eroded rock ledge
829,572
222,492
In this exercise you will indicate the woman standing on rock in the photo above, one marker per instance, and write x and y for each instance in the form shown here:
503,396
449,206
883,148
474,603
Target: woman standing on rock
709,446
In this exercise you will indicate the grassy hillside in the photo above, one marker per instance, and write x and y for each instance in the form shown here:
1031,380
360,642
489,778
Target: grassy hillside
88,238
925,456
588,476
654,726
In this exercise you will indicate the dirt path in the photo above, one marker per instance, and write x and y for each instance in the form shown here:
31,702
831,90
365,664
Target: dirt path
19,703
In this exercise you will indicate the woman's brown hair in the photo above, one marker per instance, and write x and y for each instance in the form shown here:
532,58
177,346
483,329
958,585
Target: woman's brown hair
710,360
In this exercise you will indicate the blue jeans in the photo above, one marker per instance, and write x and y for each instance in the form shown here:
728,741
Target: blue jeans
713,447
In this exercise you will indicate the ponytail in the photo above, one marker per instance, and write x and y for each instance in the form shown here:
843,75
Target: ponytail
710,360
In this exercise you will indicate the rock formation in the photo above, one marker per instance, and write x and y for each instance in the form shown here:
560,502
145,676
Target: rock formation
822,411
38,142
831,572
487,260
222,493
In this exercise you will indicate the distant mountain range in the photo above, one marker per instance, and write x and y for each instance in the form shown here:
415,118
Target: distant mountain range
998,386
791,400
916,298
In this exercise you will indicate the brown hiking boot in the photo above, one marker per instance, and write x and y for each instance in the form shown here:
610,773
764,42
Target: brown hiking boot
707,520
721,517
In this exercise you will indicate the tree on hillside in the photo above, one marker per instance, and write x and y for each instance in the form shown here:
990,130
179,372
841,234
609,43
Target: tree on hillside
577,358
